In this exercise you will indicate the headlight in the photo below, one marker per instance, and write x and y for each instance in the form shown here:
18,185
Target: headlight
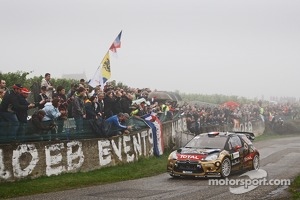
173,156
212,157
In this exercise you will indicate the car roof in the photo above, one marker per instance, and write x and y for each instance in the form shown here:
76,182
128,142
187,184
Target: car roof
225,134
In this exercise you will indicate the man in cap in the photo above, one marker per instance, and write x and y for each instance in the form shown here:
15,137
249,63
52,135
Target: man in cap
8,108
22,113
10,103
114,125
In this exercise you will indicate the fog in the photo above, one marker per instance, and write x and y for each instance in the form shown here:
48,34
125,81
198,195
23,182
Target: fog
243,48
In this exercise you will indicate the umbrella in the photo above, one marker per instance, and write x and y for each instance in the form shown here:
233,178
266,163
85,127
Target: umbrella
160,95
231,104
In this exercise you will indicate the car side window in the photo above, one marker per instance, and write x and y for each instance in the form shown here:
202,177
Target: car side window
234,141
244,137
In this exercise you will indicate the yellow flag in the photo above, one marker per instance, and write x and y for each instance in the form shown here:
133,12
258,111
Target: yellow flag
105,69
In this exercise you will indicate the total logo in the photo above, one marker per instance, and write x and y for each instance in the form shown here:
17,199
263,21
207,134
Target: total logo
190,157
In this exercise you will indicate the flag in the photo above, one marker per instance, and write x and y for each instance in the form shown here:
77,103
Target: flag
105,68
116,44
156,127
102,74
97,79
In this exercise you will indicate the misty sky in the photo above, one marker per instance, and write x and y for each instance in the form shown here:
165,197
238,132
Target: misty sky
235,47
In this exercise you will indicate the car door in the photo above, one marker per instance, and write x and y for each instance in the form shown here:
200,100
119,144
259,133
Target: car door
236,151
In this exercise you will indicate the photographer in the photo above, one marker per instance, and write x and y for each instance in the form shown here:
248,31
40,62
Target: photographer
42,99
36,125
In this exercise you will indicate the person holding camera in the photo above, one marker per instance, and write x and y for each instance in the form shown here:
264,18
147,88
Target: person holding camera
52,112
36,125
42,99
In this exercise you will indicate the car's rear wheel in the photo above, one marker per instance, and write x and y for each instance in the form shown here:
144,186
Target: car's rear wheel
225,168
255,162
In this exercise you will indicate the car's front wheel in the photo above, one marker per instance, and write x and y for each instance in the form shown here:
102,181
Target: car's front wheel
255,162
225,168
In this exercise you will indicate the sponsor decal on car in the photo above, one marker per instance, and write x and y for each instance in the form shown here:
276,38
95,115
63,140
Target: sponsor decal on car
249,157
235,155
237,161
189,157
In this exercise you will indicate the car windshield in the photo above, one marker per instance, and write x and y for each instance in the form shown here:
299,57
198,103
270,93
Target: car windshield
205,142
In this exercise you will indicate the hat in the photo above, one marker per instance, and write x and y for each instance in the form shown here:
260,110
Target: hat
25,91
17,86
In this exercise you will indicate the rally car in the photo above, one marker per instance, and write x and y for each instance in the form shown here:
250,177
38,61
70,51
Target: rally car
214,154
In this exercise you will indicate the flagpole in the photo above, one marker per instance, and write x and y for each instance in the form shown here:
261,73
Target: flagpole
98,73
113,49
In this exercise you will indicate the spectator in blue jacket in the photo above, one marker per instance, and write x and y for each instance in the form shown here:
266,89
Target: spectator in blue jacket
52,111
115,125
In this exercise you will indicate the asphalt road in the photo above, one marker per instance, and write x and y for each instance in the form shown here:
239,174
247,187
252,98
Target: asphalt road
280,158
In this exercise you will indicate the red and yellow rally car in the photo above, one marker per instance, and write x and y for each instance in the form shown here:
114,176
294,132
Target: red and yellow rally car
214,154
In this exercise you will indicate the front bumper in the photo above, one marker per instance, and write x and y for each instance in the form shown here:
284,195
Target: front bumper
194,168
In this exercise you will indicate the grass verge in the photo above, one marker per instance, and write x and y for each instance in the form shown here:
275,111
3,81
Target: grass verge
269,136
144,167
295,188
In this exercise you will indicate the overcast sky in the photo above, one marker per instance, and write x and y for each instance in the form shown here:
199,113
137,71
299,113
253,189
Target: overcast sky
234,47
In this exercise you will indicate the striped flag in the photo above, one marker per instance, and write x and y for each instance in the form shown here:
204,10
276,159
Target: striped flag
116,44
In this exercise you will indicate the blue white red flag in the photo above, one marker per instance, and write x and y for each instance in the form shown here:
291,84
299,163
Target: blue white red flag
157,134
116,44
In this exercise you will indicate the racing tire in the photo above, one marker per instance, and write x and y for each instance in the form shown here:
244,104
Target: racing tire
255,162
225,167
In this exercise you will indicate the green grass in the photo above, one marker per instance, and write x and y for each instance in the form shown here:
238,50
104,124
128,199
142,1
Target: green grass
295,188
269,136
144,167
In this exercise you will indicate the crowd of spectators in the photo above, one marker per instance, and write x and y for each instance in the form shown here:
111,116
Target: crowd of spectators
87,107
101,108
203,118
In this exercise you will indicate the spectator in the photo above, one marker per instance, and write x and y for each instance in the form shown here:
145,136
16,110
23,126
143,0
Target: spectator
63,107
42,98
3,85
108,104
82,83
36,125
114,125
52,112
78,109
2,93
117,107
10,105
141,110
70,97
49,87
22,115
100,108
126,102
90,107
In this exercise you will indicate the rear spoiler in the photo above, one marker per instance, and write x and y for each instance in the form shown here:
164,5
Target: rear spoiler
249,135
